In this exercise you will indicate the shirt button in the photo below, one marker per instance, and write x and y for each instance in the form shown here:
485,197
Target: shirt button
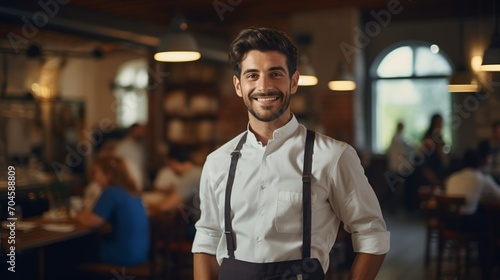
263,187
259,239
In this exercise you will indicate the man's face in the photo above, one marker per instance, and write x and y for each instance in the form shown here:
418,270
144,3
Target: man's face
265,84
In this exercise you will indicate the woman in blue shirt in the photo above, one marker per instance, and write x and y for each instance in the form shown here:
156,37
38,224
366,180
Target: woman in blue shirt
121,206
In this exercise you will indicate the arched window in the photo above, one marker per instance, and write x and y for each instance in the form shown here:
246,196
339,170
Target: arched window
409,84
130,93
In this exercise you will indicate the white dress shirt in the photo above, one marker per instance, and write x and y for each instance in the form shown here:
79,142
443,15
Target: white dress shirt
473,185
398,153
266,200
135,159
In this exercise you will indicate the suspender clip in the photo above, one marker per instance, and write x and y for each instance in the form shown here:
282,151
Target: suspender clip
236,153
306,178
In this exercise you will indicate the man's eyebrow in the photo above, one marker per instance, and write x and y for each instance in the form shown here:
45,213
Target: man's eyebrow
274,68
277,68
250,71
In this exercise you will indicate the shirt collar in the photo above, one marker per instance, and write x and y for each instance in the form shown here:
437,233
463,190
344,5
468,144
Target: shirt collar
281,133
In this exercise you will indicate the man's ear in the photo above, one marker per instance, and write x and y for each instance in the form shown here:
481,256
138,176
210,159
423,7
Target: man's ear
295,82
237,86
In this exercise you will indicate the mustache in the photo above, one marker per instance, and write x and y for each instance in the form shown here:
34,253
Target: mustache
266,94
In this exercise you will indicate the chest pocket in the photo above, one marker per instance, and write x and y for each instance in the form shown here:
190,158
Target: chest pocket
288,218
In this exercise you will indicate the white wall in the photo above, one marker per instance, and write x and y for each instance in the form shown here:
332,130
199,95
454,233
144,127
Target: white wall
90,80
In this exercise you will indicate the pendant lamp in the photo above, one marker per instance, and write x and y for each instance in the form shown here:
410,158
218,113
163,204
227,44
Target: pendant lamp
491,57
177,45
307,73
462,80
343,80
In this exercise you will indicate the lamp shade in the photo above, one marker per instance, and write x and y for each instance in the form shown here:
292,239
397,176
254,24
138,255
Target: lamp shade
307,73
177,46
463,81
491,57
343,81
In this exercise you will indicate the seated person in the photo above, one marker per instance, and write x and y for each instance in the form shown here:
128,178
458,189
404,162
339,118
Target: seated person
184,196
119,205
472,184
166,179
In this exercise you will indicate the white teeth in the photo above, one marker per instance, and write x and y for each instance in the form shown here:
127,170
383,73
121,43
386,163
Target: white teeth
266,99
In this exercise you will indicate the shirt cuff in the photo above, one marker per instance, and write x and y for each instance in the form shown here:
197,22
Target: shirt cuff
204,243
375,243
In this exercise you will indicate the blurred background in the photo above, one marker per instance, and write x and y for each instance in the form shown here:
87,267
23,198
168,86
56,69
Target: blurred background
75,75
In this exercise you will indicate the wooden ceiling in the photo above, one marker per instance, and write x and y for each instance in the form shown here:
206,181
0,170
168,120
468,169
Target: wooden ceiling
217,18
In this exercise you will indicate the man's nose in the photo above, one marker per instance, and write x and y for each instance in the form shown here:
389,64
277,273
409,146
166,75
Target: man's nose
264,84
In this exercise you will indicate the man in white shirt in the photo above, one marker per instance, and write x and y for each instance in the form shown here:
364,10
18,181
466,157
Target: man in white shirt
399,151
265,229
398,158
474,185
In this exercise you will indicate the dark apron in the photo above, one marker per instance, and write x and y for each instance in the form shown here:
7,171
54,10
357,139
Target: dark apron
305,268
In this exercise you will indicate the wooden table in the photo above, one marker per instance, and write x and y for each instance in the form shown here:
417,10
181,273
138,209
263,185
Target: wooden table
38,238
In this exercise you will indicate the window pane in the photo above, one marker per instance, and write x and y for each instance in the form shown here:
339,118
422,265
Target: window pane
398,63
141,79
125,77
132,103
412,101
430,64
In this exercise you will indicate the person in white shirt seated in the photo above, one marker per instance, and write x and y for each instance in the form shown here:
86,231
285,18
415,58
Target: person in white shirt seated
181,190
474,185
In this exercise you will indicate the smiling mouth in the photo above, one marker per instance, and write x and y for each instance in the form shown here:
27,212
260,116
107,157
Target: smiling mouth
266,99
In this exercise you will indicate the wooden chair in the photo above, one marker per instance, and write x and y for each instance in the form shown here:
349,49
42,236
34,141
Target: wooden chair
155,268
178,250
428,207
450,232
493,212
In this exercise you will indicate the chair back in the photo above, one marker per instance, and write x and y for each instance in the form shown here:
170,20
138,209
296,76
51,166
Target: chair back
448,211
161,225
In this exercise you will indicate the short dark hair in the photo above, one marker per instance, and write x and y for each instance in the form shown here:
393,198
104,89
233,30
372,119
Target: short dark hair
262,39
483,149
470,159
179,153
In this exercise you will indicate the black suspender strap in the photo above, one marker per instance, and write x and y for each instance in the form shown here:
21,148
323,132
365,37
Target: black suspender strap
228,229
306,195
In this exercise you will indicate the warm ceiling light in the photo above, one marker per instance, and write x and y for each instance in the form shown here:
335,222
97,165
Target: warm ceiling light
177,45
476,62
342,85
343,81
491,57
463,79
306,80
307,73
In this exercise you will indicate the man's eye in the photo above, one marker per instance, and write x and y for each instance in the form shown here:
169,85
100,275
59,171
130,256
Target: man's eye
251,76
276,74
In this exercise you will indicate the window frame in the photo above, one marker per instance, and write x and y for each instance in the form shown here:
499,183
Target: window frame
373,78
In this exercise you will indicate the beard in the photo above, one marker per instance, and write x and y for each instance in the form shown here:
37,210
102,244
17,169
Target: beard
268,115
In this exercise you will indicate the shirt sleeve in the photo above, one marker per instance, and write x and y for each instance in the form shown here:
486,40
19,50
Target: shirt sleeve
354,200
105,204
491,187
208,229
